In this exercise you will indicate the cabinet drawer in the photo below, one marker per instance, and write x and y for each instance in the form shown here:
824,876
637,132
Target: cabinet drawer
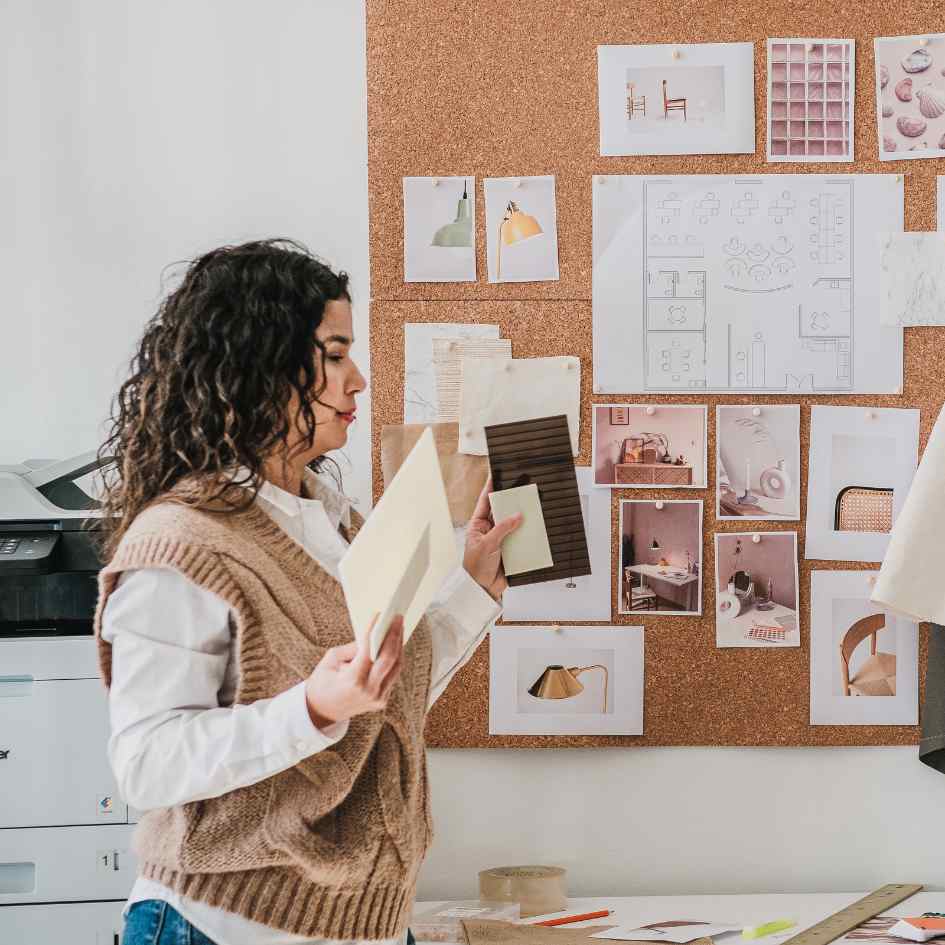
81,923
634,474
672,475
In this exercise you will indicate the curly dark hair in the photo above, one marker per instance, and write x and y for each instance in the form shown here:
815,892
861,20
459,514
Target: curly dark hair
213,376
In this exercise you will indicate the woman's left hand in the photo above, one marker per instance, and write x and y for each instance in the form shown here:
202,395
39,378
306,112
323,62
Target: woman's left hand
483,556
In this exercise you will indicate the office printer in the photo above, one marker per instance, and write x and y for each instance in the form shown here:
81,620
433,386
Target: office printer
48,551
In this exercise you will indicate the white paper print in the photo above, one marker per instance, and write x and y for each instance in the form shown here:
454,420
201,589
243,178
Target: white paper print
521,389
940,203
755,283
448,354
677,932
579,598
439,229
566,681
810,100
758,462
863,658
420,398
910,96
756,589
676,98
862,461
521,229
912,283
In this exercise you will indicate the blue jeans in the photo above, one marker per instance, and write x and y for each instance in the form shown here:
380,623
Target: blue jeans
155,922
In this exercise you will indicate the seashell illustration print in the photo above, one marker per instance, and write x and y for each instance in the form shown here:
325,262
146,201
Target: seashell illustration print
917,61
931,101
887,111
910,127
888,143
884,76
904,90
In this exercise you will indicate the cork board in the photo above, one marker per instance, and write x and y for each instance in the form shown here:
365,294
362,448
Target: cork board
494,89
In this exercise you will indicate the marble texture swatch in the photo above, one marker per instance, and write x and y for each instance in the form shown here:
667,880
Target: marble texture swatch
912,279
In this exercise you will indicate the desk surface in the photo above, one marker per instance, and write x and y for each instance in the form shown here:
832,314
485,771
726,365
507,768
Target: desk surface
731,632
675,576
806,908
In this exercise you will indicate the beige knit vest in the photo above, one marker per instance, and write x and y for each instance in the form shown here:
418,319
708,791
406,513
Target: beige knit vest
330,848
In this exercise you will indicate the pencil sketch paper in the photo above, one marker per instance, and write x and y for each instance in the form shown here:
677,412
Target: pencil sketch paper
521,389
863,658
810,100
761,283
447,357
677,932
912,279
676,98
910,96
419,376
862,462
586,597
439,229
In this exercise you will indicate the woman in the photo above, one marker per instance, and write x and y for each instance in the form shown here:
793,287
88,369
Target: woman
281,772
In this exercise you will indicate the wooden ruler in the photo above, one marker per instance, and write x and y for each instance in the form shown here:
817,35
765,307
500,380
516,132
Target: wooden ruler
854,914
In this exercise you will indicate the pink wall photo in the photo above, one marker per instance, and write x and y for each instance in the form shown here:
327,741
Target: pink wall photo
676,527
774,557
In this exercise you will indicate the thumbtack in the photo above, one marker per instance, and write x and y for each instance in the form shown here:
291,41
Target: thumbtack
756,539
899,178
870,415
871,580
659,504
676,54
517,184
756,411
809,47
436,181
571,365
555,628
924,41
601,180
650,411
508,365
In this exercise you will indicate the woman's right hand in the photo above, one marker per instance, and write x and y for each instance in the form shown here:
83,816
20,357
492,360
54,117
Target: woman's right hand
346,682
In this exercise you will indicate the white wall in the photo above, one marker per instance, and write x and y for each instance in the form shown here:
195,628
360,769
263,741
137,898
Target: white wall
145,133
140,134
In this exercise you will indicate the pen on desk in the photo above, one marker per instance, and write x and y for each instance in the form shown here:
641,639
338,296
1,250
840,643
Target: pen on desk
564,920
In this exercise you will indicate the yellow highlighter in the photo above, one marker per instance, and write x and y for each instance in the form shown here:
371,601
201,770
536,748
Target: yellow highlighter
767,928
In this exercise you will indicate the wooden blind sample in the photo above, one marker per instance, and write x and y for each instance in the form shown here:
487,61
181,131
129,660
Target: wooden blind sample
539,452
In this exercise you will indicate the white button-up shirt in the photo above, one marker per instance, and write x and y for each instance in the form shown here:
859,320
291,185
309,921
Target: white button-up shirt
176,736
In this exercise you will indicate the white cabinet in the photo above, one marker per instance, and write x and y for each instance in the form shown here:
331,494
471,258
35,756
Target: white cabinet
84,923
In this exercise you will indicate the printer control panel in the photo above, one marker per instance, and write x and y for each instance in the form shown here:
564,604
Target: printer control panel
23,548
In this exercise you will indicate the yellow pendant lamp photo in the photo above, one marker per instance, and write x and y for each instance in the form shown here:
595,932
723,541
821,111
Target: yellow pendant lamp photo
516,227
557,682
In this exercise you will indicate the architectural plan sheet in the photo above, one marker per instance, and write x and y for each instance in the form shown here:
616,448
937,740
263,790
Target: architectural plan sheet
750,283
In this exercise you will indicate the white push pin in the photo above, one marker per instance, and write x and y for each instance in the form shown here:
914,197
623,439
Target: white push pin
676,54
650,411
899,178
518,183
924,41
871,580
436,181
571,365
870,415
555,628
756,539
601,180
659,504
809,47
508,365
756,411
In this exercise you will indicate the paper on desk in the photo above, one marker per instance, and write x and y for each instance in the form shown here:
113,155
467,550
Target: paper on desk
384,553
494,392
496,932
673,931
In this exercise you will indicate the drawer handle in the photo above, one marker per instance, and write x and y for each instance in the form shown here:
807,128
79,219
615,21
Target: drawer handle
12,687
17,878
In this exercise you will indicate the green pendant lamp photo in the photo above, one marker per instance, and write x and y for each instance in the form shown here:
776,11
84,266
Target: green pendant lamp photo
459,232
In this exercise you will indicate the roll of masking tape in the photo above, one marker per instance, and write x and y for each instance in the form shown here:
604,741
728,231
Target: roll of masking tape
727,605
537,889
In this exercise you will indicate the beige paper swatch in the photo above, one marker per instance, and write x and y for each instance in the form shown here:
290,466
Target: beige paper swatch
447,363
527,548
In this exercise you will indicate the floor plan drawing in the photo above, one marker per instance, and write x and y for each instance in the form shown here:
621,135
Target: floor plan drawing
754,283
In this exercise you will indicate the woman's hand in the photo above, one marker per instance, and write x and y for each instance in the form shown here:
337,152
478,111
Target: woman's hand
346,682
483,556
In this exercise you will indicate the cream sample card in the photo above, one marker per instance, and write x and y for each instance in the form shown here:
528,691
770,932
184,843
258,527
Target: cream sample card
585,596
676,98
863,658
566,681
521,229
521,389
743,284
439,229
447,363
912,282
910,96
810,100
527,548
862,460
420,398
383,551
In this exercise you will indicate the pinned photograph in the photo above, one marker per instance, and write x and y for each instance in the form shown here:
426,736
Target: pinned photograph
756,602
912,279
649,445
910,96
676,98
566,681
439,229
521,229
660,569
862,461
863,658
758,462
